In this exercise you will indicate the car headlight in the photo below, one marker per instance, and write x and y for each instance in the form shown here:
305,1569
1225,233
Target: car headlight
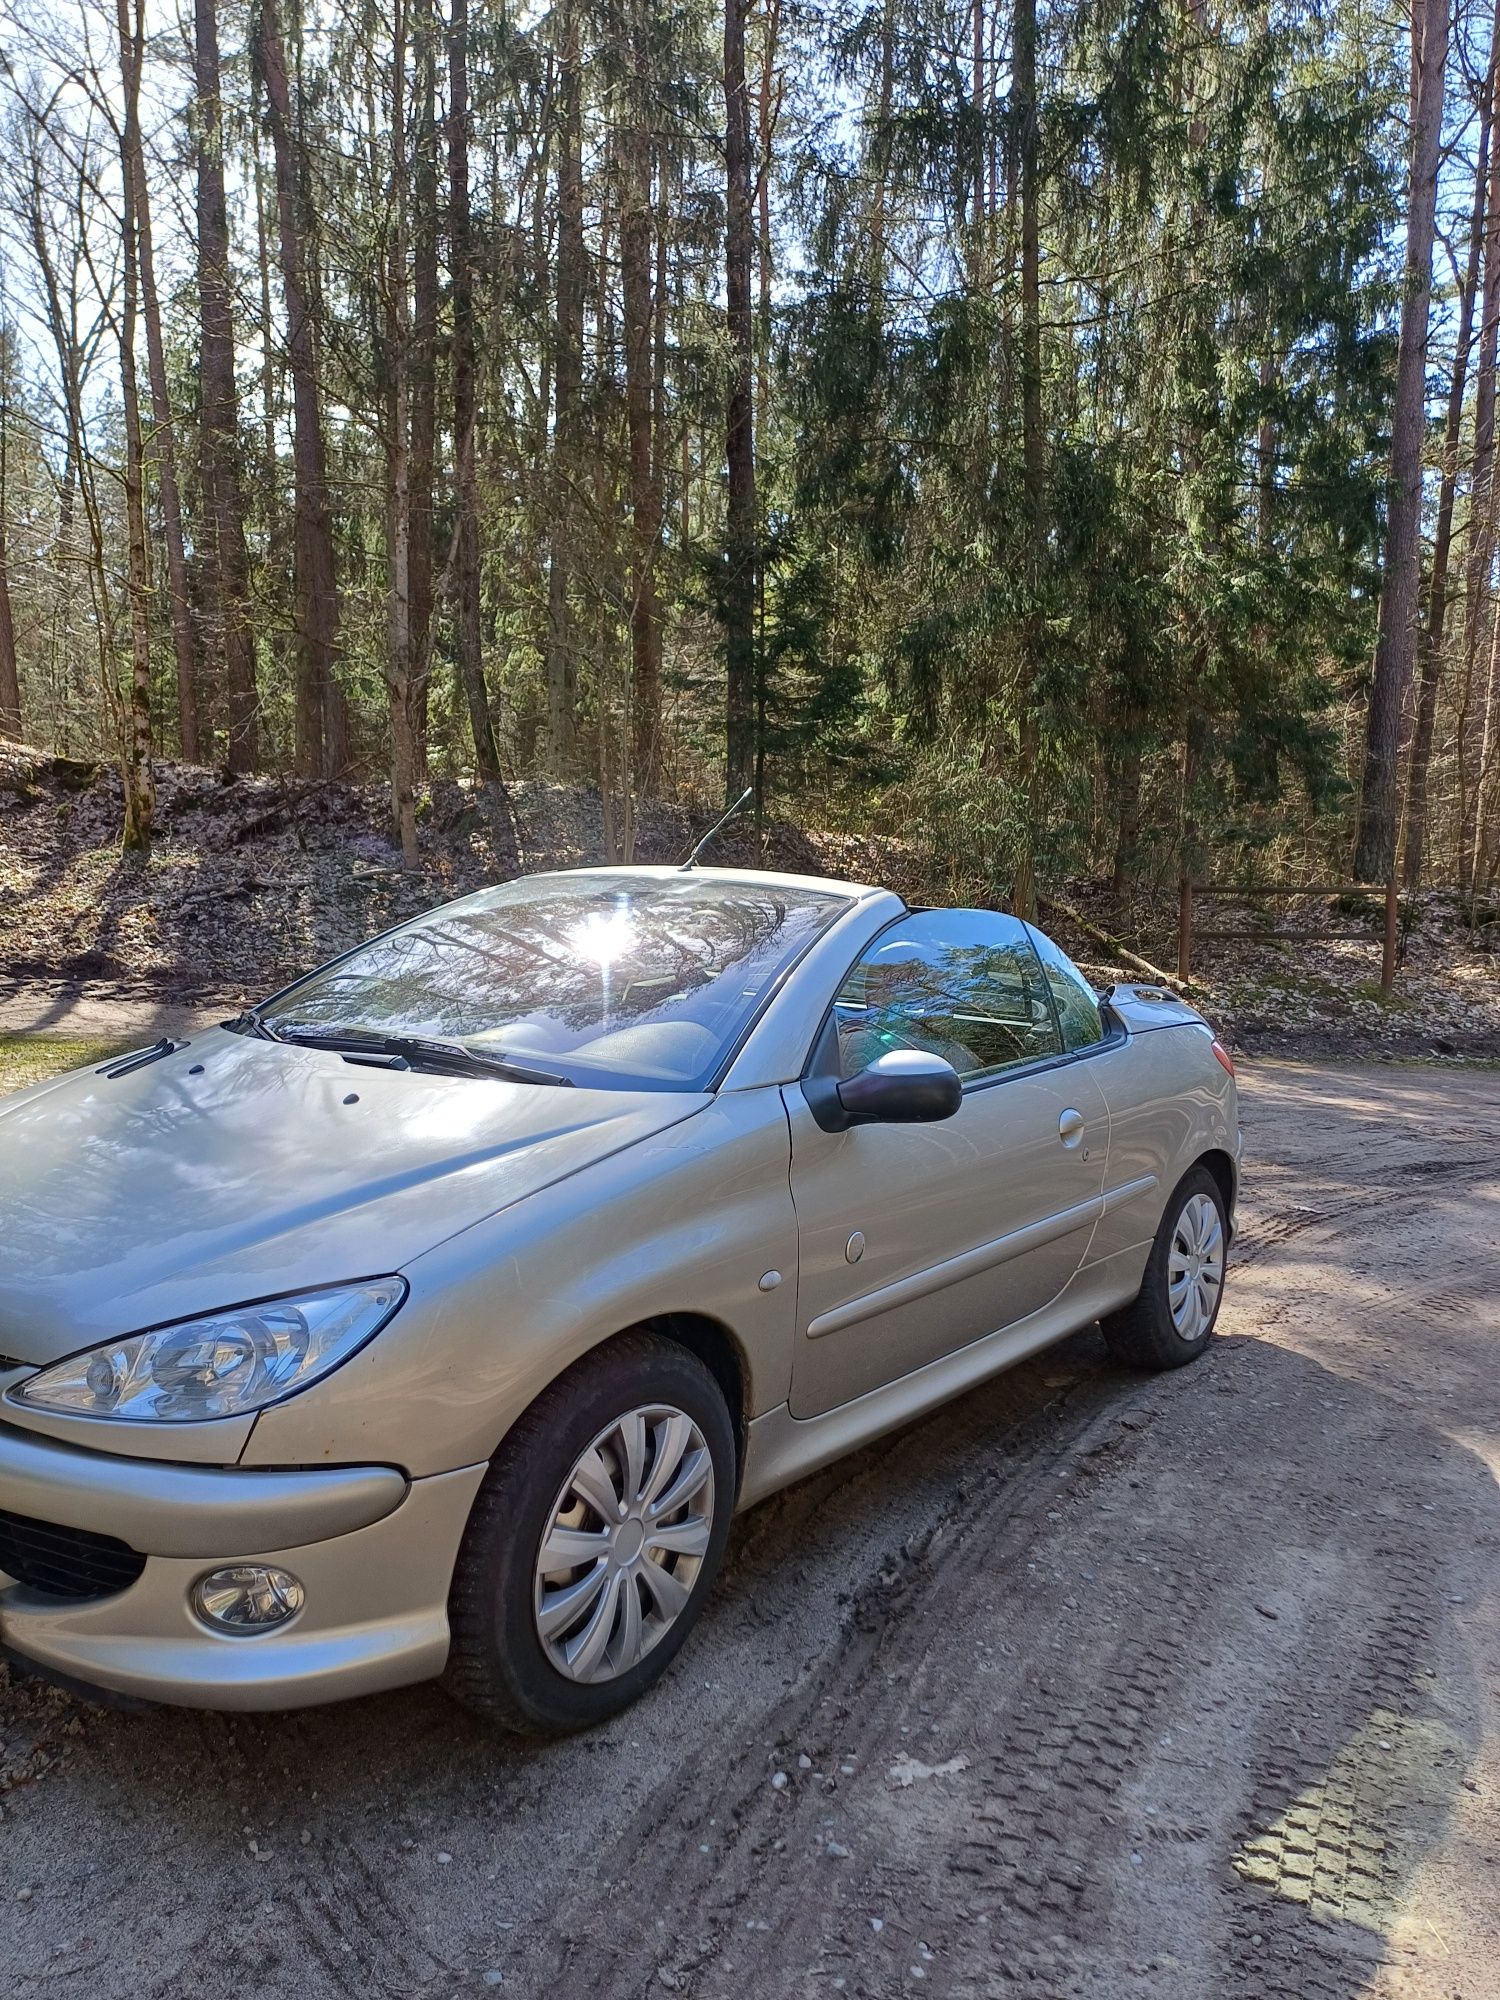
223,1365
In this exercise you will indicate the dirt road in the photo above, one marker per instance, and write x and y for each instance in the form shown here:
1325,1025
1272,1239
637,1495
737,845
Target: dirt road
1185,1687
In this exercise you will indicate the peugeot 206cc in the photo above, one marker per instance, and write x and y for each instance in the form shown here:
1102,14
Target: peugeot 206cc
434,1317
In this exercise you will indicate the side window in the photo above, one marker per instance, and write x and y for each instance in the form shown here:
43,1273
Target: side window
1077,1007
962,984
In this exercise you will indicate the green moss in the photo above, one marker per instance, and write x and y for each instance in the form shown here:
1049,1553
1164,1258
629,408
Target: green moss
1370,989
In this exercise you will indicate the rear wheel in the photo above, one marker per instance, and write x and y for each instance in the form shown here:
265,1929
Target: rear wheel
594,1539
1171,1319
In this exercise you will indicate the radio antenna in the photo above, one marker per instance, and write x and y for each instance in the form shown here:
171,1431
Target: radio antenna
722,821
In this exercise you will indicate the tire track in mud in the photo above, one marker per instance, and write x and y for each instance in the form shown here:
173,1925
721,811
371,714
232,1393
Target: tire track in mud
332,1931
1346,1756
1347,1751
723,1840
1307,1867
357,1930
1318,1866
1266,1230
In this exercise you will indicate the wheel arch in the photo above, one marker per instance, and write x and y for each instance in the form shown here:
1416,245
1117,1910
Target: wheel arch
1221,1166
713,1343
720,1351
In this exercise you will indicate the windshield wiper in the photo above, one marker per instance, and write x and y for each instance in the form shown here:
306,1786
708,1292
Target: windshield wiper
250,1022
138,1058
418,1052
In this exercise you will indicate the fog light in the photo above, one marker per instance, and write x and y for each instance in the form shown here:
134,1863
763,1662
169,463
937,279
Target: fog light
247,1598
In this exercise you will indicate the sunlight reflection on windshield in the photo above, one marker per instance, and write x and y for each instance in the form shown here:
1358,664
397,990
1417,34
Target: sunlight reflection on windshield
604,935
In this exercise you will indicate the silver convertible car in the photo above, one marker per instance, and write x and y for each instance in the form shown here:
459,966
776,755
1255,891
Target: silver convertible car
434,1317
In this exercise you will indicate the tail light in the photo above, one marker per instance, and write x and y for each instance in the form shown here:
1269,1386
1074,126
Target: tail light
1225,1060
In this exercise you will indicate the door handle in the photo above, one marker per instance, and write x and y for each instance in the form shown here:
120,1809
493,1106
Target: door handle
1070,1127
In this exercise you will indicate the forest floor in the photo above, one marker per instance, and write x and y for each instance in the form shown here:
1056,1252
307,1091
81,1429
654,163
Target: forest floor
1171,1688
254,881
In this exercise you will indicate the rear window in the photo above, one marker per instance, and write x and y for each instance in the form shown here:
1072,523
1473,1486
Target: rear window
1076,1002
617,981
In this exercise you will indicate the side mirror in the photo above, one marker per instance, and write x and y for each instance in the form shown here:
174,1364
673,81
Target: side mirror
902,1087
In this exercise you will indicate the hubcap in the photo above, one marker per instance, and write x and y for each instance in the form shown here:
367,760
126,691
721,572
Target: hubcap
624,1543
1195,1267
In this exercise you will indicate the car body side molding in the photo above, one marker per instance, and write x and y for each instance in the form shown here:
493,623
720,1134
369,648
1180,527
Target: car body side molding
1128,1191
783,1448
999,1250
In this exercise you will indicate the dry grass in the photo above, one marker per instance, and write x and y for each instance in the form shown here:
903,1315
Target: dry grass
27,1059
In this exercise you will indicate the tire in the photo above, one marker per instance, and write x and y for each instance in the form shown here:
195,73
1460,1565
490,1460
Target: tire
1145,1334
584,1427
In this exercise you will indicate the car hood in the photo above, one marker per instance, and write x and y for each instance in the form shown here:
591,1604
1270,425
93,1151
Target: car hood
236,1168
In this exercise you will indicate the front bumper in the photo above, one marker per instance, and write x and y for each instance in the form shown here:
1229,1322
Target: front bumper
373,1551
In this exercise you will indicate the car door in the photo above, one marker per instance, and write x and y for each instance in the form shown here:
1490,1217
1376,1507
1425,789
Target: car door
914,1240
1163,1104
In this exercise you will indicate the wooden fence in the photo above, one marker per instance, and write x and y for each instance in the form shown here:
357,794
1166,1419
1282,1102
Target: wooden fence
1189,932
1191,894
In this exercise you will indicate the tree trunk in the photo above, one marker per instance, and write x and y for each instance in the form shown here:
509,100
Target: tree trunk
740,537
10,675
1023,892
1127,824
567,388
1265,459
663,223
1479,555
1475,872
880,162
981,117
768,109
423,373
135,708
1375,847
461,261
223,508
398,666
1415,829
318,724
267,324
62,326
10,678
164,450
645,524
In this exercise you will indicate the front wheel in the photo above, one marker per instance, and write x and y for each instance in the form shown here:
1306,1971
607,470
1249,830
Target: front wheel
594,1540
1171,1319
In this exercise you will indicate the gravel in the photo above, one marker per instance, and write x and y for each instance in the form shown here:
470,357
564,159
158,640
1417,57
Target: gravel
1314,1799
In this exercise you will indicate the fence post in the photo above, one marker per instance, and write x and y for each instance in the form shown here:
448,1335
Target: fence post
1392,925
1185,928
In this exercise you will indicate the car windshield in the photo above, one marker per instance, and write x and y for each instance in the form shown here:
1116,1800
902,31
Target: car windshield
613,980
